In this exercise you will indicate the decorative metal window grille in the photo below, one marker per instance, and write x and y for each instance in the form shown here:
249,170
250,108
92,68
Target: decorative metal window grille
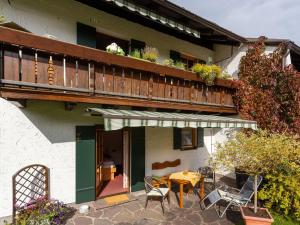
29,184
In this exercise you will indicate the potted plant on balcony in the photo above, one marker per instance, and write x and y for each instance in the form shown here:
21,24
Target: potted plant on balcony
256,153
150,53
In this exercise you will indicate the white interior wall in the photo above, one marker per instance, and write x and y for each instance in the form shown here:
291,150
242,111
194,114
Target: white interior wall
42,133
59,18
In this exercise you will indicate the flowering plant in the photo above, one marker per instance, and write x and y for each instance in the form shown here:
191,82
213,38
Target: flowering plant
207,72
115,49
150,53
44,211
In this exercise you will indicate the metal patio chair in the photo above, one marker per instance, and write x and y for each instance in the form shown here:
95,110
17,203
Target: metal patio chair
154,193
231,196
209,175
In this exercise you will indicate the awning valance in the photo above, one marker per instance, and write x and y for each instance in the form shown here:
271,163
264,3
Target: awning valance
115,119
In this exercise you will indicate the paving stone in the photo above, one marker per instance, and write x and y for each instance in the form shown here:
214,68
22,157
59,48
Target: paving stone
96,214
83,221
102,222
111,211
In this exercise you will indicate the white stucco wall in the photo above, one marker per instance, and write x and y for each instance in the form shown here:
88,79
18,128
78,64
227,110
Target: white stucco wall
59,18
159,148
230,62
42,133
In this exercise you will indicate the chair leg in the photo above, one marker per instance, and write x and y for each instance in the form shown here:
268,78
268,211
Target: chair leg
162,205
146,203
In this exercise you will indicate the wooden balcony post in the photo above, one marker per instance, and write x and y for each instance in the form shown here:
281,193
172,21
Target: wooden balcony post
1,62
91,72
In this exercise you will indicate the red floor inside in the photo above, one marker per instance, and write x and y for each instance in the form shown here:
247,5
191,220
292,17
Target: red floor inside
113,187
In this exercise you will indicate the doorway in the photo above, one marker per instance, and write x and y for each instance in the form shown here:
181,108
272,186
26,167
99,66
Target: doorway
112,156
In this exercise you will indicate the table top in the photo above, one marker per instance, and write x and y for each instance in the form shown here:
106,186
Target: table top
188,177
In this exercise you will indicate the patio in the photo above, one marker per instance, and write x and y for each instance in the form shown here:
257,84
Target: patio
134,213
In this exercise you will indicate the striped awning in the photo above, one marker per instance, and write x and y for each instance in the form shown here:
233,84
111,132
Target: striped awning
115,119
155,17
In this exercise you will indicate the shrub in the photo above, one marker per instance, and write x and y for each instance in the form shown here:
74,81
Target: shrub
136,54
44,212
262,153
179,65
168,62
150,53
281,193
207,72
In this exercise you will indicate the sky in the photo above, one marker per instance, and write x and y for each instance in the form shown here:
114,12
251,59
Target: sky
251,18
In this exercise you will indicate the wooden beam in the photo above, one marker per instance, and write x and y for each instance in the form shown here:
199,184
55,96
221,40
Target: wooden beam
100,99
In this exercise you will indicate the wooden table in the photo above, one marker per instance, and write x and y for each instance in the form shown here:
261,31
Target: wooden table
186,182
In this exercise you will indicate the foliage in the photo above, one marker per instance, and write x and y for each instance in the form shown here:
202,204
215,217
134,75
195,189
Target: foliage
150,53
2,19
282,194
168,62
268,91
136,54
179,65
115,49
226,75
44,212
258,153
207,72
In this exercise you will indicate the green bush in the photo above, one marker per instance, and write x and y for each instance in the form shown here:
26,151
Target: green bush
207,72
282,194
150,53
136,54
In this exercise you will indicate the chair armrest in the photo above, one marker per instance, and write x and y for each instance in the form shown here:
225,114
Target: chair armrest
228,188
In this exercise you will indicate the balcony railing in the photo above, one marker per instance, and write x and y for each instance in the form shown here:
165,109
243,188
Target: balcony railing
41,66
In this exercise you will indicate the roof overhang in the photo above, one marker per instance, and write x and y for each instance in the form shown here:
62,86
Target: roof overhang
115,119
169,18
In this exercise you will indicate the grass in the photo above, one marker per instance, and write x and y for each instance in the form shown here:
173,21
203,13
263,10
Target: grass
280,220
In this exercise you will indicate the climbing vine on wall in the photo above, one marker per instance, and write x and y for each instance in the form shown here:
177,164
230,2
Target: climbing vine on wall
268,92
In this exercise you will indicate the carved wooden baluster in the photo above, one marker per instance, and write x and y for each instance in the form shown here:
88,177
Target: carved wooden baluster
150,90
76,73
36,67
123,81
197,92
192,89
113,81
140,82
178,88
171,89
50,71
64,70
183,94
103,78
165,85
131,82
20,65
91,68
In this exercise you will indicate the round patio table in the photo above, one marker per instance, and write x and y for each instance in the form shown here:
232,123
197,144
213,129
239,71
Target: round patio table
185,180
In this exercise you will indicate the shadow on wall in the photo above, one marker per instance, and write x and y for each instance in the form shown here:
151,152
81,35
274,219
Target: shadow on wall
54,122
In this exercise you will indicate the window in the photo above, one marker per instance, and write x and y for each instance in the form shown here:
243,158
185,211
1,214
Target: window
188,138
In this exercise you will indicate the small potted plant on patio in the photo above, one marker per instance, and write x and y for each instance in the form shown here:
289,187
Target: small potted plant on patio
256,153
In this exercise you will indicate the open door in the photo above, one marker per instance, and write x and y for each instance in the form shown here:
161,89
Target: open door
99,160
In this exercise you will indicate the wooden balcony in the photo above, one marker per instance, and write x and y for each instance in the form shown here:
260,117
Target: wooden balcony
35,67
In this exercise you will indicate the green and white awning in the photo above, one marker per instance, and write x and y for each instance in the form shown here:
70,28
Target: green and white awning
115,119
155,17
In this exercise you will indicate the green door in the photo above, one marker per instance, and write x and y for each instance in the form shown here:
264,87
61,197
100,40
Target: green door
85,164
137,158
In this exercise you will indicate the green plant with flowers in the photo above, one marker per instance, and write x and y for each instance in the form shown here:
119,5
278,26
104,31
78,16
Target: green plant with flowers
207,72
115,49
43,211
150,53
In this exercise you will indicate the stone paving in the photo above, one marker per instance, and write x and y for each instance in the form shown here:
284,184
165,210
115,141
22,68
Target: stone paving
134,213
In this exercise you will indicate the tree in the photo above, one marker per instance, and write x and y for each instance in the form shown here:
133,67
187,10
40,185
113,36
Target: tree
259,153
268,92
